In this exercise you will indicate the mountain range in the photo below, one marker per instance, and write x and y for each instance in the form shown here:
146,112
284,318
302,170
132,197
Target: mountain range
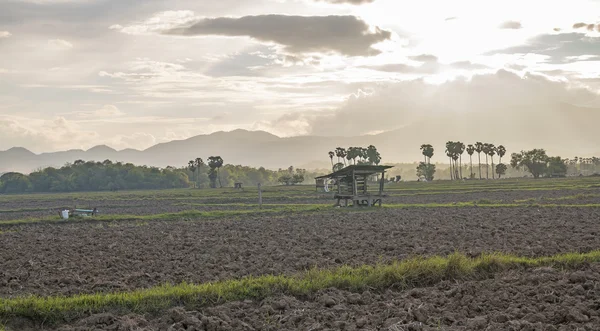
566,130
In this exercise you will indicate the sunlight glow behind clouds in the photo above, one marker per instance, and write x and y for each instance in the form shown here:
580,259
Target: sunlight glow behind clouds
73,57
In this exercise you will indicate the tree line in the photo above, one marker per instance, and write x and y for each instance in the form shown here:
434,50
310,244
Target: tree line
94,176
354,155
455,151
81,176
537,162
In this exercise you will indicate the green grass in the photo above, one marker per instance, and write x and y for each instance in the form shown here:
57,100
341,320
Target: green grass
274,209
400,275
190,215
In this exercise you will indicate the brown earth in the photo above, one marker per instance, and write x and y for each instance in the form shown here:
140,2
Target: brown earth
71,258
543,299
31,207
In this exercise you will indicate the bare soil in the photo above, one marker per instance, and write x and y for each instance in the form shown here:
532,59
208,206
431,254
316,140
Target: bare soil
543,299
32,207
72,258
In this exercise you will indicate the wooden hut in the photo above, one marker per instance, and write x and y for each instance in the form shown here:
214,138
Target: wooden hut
351,184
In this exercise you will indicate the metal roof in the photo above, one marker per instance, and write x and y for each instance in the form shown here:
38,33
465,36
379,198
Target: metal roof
359,169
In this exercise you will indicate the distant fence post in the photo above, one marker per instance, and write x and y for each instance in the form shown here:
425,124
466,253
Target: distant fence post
259,196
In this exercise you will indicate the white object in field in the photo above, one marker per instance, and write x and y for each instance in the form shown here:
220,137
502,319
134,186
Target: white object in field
326,186
65,214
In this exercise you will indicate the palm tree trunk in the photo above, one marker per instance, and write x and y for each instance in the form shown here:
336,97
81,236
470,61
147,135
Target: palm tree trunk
471,162
487,168
479,155
493,170
456,169
460,163
451,170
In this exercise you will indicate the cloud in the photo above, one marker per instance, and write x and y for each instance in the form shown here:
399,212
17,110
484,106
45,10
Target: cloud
502,94
588,26
105,112
346,35
512,25
5,34
45,135
60,43
137,140
429,65
424,58
557,46
352,2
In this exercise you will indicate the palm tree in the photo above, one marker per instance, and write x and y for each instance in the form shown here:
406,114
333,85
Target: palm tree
492,152
479,149
198,163
427,151
331,155
501,150
486,150
373,156
352,154
215,162
460,150
450,154
470,151
341,154
192,168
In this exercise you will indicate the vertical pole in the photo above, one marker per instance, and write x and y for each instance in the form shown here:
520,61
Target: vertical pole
259,196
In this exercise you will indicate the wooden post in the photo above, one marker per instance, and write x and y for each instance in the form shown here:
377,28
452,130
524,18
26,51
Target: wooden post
259,196
354,188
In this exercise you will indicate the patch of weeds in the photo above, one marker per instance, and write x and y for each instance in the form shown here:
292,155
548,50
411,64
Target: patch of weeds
419,271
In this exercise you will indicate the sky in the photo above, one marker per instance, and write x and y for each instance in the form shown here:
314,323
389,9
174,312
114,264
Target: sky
134,73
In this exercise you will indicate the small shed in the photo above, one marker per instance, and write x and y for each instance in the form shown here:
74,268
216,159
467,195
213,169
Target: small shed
352,184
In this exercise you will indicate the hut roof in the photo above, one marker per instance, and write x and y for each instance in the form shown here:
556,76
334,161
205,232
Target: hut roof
360,169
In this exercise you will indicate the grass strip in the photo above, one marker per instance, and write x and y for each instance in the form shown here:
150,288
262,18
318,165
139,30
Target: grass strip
196,215
189,215
418,271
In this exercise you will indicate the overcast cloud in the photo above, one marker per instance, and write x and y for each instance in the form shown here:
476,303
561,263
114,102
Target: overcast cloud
130,74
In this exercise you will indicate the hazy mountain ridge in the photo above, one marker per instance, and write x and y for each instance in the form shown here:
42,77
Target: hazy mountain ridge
564,130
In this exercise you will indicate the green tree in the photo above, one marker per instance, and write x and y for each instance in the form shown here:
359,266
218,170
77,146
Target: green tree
214,163
427,151
198,163
470,151
492,152
341,153
192,169
450,154
557,167
298,177
486,151
535,161
373,155
479,149
459,149
353,153
14,182
501,169
501,150
426,171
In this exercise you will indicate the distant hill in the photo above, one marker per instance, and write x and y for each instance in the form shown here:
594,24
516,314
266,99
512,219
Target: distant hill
564,130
